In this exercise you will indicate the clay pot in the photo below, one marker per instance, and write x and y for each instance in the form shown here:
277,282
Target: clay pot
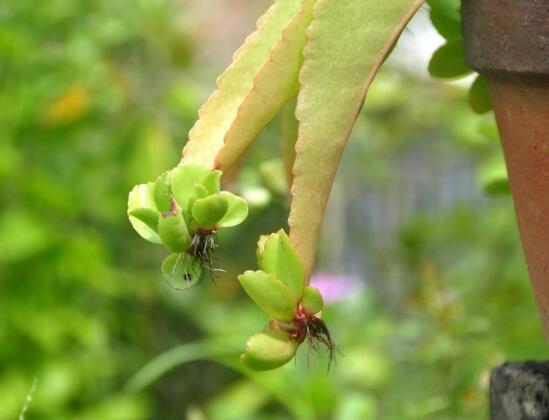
508,42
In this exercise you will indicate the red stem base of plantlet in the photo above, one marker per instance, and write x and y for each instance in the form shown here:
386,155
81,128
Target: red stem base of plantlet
311,328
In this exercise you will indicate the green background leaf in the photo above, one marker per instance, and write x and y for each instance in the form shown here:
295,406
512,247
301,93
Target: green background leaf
479,96
448,62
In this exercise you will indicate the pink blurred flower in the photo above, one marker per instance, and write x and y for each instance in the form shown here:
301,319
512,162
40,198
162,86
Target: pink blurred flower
336,288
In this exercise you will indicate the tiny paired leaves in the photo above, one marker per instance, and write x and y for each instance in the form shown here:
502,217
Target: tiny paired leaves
270,294
189,181
276,256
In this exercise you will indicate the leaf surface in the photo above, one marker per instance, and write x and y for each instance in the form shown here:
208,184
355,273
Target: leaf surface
270,294
347,43
262,77
277,257
141,200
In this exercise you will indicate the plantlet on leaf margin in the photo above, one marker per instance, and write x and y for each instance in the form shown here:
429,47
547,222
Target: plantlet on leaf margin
183,210
279,290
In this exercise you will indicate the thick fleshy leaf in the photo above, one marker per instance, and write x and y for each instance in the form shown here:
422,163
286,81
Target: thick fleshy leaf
187,180
261,78
141,197
147,216
210,210
181,270
275,84
479,96
212,183
347,43
162,192
276,256
237,210
270,294
268,350
173,230
311,302
448,62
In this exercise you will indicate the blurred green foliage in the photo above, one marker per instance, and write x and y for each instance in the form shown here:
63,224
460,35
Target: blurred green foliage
98,96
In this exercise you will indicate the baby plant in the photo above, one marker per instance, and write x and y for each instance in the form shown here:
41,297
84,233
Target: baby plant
280,290
183,210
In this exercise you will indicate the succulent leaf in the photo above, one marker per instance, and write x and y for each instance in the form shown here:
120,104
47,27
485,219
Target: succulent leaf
237,210
185,178
162,192
147,216
268,350
141,197
210,210
276,256
270,294
212,182
173,230
181,270
311,302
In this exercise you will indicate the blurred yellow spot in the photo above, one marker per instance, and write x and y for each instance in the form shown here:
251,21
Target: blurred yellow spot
68,107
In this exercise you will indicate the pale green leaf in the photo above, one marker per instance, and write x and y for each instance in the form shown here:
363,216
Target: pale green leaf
187,182
277,257
311,302
270,294
262,77
162,192
210,210
173,230
347,43
237,210
268,350
147,216
141,197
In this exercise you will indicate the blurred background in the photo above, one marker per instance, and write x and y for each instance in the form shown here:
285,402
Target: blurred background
420,259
